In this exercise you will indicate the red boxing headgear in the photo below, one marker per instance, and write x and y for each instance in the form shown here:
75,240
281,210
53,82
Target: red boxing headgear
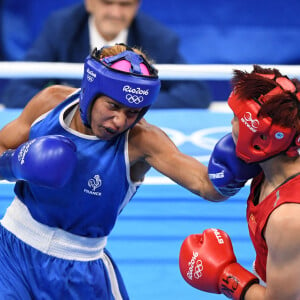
258,137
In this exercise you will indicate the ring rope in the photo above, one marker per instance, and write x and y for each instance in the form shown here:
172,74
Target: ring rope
166,71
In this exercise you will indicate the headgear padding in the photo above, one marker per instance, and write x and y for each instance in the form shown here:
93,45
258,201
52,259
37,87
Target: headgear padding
259,138
126,78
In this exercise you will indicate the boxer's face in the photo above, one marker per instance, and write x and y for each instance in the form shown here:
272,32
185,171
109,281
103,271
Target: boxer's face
110,118
112,16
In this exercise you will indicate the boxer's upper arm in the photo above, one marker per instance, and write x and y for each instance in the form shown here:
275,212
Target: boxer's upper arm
159,151
283,263
17,131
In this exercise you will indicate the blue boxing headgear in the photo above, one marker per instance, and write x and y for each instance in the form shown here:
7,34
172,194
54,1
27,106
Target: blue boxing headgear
123,77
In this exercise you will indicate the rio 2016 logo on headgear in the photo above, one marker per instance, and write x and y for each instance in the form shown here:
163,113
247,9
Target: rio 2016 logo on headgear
138,91
135,95
249,122
134,98
90,75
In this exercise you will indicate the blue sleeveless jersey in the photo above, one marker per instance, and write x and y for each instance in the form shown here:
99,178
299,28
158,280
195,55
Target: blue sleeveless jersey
100,187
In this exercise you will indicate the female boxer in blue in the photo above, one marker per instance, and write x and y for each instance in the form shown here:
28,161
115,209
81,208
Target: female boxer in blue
78,157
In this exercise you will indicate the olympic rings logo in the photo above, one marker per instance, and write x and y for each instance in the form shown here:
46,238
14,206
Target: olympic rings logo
90,78
205,138
134,98
248,118
91,75
198,269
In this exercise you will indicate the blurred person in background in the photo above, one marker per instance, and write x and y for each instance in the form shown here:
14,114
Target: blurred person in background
71,33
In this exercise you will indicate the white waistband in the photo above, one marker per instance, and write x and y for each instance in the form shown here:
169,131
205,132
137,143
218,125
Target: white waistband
52,241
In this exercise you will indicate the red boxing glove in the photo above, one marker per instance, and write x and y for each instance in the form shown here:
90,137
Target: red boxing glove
207,262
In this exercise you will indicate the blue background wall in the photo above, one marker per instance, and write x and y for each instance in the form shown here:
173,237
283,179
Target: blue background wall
213,32
233,31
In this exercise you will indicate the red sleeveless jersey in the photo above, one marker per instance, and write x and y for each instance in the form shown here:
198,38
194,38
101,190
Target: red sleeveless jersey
257,216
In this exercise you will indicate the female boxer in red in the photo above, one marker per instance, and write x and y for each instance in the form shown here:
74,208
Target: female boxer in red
266,130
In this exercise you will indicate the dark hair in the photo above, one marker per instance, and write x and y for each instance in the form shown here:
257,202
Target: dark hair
283,107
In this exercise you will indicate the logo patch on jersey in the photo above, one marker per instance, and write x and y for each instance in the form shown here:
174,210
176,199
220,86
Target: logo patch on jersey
94,184
252,224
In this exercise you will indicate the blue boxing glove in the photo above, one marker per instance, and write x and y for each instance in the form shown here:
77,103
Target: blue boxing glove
47,161
227,172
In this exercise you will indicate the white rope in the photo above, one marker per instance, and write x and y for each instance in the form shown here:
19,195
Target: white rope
166,71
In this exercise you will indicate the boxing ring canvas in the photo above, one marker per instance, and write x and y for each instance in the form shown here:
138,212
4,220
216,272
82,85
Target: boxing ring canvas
147,237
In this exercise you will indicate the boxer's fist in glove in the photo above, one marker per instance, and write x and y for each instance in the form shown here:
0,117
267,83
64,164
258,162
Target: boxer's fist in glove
227,172
46,161
207,262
